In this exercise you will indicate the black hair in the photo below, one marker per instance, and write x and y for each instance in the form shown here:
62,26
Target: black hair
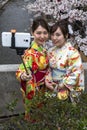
39,21
63,25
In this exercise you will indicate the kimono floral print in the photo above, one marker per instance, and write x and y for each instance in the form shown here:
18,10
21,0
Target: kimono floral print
36,62
67,67
66,70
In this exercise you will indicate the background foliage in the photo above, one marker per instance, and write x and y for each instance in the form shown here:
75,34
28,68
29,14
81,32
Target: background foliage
52,114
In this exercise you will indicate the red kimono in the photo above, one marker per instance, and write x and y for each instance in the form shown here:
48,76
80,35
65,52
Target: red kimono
36,62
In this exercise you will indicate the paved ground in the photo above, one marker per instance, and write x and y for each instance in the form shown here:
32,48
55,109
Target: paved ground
13,15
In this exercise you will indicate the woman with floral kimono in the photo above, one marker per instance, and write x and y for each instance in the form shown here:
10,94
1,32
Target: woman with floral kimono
36,62
65,75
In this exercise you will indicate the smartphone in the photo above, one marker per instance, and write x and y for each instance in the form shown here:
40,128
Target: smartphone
22,40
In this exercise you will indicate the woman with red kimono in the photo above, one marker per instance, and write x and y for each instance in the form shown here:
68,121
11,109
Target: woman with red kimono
36,62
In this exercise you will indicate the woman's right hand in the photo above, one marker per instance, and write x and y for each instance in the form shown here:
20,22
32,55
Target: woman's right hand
25,77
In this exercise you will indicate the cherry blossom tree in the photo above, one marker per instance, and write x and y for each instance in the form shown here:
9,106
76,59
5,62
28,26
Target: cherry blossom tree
75,11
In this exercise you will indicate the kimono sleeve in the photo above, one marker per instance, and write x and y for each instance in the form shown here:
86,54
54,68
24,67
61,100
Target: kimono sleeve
74,70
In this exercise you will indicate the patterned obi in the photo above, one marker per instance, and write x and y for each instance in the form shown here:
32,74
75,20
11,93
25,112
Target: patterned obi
58,74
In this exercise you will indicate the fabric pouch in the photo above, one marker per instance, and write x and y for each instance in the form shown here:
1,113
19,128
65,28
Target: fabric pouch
63,94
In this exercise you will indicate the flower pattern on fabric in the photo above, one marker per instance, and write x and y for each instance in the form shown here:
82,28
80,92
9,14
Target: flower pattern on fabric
36,62
66,67
30,95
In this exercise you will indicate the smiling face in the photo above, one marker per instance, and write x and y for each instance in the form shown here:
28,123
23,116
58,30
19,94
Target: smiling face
58,38
40,35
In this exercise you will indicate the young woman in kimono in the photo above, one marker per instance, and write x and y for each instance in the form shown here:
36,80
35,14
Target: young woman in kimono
36,62
65,75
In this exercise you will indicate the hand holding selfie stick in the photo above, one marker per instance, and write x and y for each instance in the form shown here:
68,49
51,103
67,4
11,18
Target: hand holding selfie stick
18,50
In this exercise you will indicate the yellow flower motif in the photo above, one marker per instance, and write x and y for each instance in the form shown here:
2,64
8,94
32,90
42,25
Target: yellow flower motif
41,66
42,59
42,62
63,95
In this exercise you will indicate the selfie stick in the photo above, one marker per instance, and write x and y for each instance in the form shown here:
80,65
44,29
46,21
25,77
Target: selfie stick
24,66
19,50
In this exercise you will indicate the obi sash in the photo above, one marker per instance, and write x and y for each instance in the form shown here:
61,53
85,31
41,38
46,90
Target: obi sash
38,77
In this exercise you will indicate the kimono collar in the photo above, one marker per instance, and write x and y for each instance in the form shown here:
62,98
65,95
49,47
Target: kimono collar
35,46
63,47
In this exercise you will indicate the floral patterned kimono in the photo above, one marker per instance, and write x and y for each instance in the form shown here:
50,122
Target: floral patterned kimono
65,69
36,62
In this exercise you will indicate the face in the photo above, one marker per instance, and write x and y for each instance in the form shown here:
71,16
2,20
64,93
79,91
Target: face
58,38
40,35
